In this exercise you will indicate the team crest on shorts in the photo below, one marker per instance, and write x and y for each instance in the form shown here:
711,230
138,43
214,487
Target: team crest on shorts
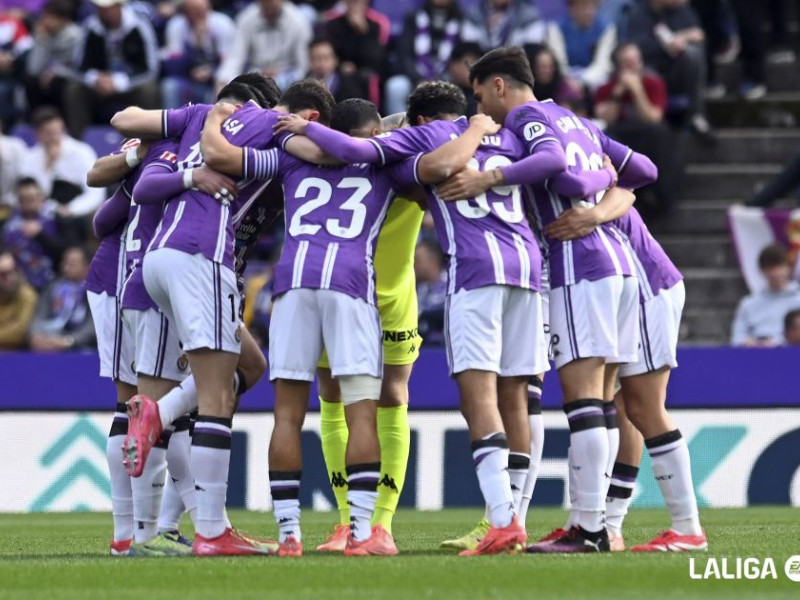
238,334
183,362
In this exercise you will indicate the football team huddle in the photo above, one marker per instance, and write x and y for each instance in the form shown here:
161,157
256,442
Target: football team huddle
546,260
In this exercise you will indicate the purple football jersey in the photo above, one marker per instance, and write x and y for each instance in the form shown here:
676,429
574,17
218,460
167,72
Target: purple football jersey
107,269
333,216
194,222
602,253
143,220
487,240
655,270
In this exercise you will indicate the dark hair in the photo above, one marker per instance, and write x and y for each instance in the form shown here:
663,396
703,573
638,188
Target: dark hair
241,92
270,93
43,115
354,113
618,50
509,62
60,8
309,94
774,255
322,41
25,182
464,49
434,99
790,318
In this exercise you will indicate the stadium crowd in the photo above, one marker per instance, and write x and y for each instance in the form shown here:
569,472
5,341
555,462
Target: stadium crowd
642,68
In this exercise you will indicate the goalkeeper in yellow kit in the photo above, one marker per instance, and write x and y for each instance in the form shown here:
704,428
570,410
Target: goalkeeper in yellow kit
397,304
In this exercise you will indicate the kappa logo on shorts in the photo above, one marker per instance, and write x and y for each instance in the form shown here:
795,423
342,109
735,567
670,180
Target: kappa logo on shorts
183,362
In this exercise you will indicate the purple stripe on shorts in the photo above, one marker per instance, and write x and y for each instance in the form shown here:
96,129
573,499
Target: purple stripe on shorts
211,431
571,334
219,305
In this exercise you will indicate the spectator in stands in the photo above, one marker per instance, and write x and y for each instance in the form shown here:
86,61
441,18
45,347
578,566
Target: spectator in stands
431,290
15,41
272,36
779,186
360,36
583,43
36,235
791,328
633,104
323,64
12,154
59,164
197,40
759,319
116,66
497,23
669,36
463,55
424,49
56,39
17,304
550,84
63,320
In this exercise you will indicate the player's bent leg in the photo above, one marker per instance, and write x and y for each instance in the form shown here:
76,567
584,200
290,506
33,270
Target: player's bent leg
252,364
623,476
513,403
478,392
610,384
536,424
286,462
121,495
645,397
394,435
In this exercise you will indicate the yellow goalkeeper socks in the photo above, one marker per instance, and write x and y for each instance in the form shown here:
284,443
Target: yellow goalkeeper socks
395,439
333,434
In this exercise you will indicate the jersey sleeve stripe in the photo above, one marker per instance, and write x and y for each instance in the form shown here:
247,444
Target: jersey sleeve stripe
380,151
285,139
164,132
535,143
417,178
625,161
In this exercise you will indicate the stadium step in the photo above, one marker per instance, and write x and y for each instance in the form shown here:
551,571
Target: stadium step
775,110
690,217
747,146
696,252
780,77
712,287
706,325
719,181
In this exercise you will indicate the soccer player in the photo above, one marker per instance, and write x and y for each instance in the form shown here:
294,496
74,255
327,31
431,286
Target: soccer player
103,288
643,399
188,271
394,260
593,295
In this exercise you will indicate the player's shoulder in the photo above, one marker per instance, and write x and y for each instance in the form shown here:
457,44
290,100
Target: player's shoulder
532,120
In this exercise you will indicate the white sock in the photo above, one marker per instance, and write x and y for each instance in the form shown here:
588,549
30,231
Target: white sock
285,489
518,466
169,518
672,468
210,461
180,400
362,494
537,446
490,456
121,495
180,469
147,491
589,452
620,494
612,431
572,485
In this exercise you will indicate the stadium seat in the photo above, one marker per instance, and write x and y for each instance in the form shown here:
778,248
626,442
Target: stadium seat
396,10
102,138
24,132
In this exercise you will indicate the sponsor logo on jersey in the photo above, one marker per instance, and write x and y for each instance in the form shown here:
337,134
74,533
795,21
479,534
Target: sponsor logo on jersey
534,130
400,336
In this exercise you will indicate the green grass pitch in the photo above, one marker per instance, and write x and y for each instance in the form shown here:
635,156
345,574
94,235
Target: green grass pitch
64,556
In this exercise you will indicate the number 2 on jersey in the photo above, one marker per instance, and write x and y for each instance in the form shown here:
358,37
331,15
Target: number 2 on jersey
324,193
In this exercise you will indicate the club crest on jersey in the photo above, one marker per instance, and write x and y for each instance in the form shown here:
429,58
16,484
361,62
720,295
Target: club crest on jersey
183,362
534,130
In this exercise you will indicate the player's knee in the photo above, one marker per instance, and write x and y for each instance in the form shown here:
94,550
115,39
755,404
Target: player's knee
636,412
355,388
393,393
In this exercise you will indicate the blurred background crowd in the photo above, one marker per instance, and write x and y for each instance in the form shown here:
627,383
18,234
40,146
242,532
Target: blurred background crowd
644,69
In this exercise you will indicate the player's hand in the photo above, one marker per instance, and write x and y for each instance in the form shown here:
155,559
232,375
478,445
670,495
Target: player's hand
219,186
607,164
485,123
465,184
572,224
291,124
220,112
